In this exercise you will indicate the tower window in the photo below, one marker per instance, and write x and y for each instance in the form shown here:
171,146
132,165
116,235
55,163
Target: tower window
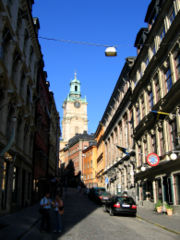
76,88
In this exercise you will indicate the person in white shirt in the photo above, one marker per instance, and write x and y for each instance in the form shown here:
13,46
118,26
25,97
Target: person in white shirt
45,203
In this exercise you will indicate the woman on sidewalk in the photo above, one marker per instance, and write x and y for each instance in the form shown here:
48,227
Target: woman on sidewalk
59,210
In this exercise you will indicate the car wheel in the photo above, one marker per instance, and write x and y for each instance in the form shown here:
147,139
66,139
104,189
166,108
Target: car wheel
111,212
104,208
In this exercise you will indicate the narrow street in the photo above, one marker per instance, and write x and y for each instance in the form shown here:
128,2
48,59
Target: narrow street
84,220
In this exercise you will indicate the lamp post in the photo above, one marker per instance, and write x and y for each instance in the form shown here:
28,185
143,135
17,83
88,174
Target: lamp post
111,52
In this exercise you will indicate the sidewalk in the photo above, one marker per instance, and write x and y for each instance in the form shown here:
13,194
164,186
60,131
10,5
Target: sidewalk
170,223
17,225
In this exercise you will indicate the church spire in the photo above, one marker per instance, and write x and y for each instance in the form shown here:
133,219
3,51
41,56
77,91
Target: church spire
75,90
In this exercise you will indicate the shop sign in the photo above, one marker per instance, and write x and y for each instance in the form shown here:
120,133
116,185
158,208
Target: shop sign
152,159
106,180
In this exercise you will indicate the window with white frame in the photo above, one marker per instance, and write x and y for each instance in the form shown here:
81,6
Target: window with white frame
157,89
153,49
168,79
173,139
161,142
138,118
171,16
177,65
151,101
161,34
142,107
146,61
140,160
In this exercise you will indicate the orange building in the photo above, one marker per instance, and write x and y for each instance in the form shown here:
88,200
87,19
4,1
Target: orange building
89,166
100,158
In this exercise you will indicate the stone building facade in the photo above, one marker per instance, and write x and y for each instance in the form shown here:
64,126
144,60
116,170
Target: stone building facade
20,61
156,87
131,120
19,57
117,118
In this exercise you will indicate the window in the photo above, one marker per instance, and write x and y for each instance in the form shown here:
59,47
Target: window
151,104
173,135
168,79
171,17
162,34
15,184
26,37
143,107
146,61
22,81
138,115
153,143
177,64
146,148
153,49
157,89
140,155
161,140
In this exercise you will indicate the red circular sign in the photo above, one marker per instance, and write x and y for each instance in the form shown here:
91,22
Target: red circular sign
152,159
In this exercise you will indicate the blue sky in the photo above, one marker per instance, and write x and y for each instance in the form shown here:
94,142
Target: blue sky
105,22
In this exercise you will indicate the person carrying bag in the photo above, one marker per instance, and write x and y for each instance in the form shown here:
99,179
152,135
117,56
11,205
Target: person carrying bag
59,211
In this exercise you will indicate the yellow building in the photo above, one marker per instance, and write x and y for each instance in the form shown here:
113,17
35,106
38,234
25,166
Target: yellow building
89,167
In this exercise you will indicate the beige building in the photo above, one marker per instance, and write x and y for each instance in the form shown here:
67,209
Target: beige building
75,120
74,112
117,122
156,87
131,118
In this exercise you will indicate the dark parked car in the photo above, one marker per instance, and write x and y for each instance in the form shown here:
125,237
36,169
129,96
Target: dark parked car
104,197
121,205
99,194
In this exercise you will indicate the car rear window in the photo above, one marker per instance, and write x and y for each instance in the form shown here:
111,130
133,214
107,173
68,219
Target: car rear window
101,190
126,200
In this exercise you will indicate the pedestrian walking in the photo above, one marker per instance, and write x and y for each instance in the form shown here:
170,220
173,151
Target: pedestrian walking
45,205
59,211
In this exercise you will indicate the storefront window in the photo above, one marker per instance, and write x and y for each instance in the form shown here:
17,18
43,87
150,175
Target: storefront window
177,188
159,189
4,184
14,184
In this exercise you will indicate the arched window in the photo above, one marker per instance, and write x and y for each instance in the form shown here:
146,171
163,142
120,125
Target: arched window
31,55
18,132
22,84
76,88
26,37
15,67
25,140
9,122
6,38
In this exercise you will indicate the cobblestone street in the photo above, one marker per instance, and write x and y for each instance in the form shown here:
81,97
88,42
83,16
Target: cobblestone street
84,220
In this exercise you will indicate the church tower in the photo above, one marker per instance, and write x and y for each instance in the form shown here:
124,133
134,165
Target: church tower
74,112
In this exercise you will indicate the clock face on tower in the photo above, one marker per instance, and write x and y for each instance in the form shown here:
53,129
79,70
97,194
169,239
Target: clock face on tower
77,104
